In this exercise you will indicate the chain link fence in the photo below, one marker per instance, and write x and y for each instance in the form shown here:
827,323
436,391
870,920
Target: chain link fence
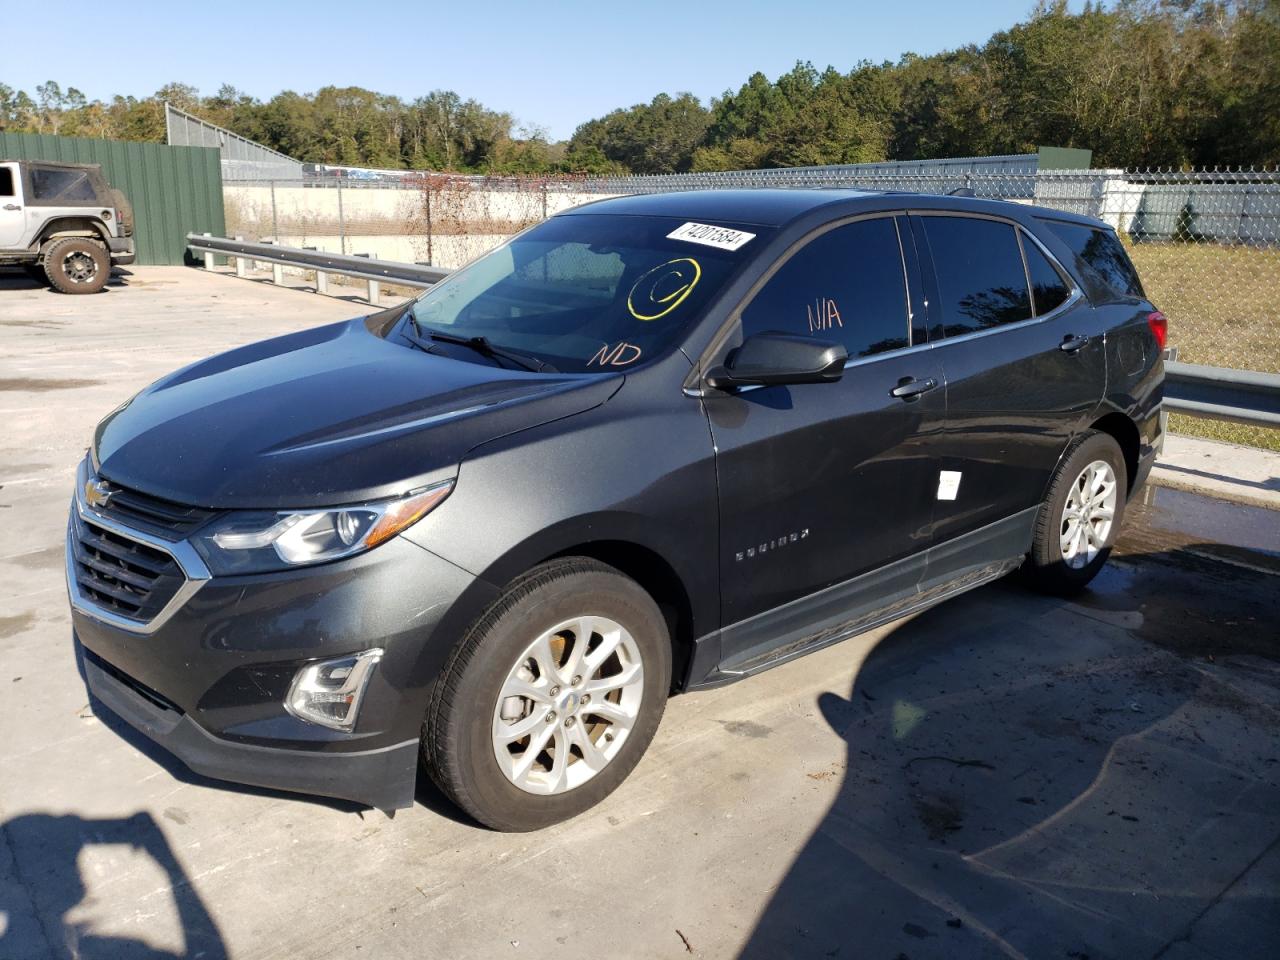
1206,243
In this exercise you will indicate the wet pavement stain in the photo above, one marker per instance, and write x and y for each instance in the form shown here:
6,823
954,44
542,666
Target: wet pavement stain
14,625
1195,575
746,728
42,386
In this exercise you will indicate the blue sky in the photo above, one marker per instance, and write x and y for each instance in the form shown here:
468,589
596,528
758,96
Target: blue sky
550,64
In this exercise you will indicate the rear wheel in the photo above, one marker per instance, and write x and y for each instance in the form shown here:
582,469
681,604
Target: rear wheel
1080,517
77,265
551,699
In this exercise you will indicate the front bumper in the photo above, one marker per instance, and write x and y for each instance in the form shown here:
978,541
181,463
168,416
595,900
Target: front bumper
383,777
208,681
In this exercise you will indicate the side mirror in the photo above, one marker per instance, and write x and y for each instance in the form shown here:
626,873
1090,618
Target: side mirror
767,359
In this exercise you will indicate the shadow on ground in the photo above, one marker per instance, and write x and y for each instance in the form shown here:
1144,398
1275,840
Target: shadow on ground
48,849
1117,802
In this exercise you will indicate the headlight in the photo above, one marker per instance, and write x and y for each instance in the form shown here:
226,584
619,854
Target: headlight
258,541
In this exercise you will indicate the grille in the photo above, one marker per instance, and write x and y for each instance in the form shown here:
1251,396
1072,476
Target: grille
120,575
163,518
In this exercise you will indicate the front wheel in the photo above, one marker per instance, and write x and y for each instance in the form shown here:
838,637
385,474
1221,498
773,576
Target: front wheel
551,699
1080,518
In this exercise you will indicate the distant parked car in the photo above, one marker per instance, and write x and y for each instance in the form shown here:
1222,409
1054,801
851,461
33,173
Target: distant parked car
652,444
64,223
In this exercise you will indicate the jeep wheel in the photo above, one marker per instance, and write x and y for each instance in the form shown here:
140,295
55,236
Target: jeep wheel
77,265
1080,518
552,697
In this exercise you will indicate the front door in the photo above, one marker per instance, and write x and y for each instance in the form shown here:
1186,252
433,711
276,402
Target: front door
820,483
12,216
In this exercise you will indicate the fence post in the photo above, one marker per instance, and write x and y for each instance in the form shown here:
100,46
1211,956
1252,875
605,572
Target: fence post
277,270
241,263
342,227
544,201
374,286
322,278
430,260
275,221
208,257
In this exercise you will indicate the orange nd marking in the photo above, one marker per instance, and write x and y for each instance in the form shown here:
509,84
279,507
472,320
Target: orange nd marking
663,288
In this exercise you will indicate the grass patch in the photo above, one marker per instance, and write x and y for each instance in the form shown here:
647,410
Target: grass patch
1223,305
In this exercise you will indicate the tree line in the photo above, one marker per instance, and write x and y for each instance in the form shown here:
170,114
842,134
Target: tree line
1141,83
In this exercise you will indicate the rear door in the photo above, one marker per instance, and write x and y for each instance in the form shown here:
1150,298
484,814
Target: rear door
12,217
822,482
1024,359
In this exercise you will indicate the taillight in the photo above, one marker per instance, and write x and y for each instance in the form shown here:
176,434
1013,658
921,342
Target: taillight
1159,325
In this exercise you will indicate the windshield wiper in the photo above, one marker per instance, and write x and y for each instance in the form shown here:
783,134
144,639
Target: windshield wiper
483,347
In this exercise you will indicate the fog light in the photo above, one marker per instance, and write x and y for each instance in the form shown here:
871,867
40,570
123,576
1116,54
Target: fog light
329,692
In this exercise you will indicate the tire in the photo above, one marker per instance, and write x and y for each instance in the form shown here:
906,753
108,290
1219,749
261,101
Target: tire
77,265
1064,555
469,720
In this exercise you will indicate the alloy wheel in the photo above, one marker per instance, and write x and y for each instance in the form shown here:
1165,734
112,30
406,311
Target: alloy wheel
1088,514
568,705
79,267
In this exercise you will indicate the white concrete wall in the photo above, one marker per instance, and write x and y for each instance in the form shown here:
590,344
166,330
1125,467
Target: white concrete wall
452,209
449,252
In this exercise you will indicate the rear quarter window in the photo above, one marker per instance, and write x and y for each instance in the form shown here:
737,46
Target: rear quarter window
981,280
1100,260
64,186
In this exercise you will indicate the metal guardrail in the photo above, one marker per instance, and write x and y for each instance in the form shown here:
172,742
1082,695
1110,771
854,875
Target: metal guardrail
1218,393
365,268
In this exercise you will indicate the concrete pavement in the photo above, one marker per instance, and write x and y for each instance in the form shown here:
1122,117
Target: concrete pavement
1004,775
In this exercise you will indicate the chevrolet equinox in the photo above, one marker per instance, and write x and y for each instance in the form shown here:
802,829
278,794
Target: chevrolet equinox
653,444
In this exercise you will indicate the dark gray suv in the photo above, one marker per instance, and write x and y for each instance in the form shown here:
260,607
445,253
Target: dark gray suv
652,444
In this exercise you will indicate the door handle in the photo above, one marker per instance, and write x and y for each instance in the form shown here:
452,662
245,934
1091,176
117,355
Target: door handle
1072,344
12,206
909,388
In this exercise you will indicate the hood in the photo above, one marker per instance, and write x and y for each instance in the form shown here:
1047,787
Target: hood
327,416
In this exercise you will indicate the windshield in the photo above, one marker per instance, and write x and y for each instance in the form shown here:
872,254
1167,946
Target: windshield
587,292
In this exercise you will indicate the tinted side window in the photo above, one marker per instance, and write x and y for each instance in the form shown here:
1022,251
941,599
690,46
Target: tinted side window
981,283
1101,260
846,286
65,185
1047,286
6,182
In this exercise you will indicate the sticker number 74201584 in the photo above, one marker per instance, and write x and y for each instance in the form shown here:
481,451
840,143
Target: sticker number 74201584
710,235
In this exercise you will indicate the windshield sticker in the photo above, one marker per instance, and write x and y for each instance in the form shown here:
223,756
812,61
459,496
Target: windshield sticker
619,356
662,289
711,236
823,315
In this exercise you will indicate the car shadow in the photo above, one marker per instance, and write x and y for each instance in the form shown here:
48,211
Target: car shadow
1078,804
48,887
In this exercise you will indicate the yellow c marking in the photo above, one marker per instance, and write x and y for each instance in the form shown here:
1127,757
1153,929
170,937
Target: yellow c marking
660,274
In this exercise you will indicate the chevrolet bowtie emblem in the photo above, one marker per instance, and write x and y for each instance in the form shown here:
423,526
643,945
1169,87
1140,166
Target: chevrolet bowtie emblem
97,493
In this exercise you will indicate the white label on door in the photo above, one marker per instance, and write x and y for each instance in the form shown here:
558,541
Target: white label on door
948,484
711,236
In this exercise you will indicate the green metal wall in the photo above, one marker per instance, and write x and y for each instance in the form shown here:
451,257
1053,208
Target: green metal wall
174,190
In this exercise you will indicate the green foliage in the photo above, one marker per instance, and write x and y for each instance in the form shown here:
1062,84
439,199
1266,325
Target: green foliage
657,137
1140,82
